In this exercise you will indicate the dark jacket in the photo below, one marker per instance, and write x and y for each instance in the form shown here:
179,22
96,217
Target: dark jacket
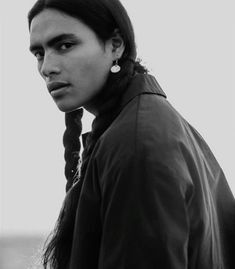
154,195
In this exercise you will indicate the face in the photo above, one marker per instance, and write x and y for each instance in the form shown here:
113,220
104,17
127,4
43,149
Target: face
71,59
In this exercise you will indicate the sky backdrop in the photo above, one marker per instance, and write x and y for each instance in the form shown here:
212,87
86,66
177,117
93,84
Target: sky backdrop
188,45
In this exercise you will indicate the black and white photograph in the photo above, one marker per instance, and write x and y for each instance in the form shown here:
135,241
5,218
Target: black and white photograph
117,134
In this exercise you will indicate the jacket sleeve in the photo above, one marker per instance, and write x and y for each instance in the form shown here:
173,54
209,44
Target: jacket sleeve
144,214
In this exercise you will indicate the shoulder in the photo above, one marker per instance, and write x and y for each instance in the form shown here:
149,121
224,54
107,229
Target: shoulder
143,143
147,123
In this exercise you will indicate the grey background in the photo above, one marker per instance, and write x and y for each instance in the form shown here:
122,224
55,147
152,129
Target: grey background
190,48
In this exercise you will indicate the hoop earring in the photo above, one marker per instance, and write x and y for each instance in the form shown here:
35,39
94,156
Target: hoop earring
115,68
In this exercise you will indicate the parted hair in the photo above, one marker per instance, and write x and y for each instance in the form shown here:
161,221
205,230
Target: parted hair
103,17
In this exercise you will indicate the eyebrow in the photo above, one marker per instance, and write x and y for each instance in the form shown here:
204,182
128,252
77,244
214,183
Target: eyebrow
53,41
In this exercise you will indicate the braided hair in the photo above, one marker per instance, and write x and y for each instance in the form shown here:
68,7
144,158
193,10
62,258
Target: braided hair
103,16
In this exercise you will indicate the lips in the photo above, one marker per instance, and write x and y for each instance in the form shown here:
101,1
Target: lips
53,86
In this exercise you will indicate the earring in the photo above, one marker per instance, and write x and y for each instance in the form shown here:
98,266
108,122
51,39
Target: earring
115,68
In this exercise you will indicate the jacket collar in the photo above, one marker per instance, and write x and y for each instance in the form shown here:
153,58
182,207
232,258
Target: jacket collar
141,83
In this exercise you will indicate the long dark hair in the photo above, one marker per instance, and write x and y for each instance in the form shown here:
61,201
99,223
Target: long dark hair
103,17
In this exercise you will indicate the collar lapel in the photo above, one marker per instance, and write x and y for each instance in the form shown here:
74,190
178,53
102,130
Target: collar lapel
142,83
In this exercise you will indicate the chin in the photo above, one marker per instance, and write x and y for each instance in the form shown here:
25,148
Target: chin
66,107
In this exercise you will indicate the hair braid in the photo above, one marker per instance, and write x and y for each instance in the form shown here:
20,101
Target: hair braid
72,145
58,244
108,108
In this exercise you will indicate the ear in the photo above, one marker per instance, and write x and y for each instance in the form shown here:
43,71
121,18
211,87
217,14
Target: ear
117,44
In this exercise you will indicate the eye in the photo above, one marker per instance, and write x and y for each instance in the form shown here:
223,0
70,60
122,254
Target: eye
39,55
65,46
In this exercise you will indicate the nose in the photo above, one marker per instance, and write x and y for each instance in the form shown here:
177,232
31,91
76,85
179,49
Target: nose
49,66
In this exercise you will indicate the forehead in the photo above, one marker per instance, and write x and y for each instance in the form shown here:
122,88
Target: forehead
50,23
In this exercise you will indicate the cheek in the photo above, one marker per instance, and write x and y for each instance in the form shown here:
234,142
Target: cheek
92,69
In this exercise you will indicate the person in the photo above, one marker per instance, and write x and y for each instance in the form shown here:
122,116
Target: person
147,191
